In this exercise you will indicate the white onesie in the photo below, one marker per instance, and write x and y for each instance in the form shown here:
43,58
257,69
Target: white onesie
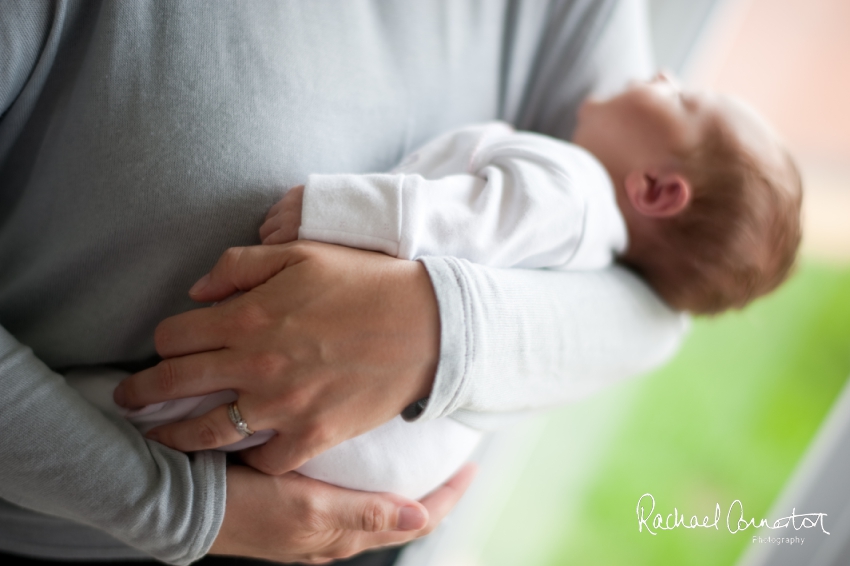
484,193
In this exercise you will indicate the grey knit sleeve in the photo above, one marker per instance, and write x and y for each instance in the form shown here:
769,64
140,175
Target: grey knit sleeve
24,28
518,340
62,457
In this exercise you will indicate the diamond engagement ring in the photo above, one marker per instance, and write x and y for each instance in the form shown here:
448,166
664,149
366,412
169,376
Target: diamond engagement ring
238,421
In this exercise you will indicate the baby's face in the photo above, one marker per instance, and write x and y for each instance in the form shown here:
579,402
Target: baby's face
652,121
649,117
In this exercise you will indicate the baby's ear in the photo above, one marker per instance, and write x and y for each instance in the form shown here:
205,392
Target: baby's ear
658,194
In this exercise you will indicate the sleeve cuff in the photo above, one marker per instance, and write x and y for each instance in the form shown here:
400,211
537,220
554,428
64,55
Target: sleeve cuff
456,340
359,211
210,468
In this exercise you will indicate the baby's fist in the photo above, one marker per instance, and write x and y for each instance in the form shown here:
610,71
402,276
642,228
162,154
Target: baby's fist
284,218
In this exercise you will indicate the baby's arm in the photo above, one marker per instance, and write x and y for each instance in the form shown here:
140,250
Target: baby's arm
485,193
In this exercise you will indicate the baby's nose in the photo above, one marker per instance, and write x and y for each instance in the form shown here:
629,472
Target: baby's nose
666,76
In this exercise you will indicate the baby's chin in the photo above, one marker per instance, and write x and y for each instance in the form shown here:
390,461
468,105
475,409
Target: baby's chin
585,110
589,102
592,102
587,105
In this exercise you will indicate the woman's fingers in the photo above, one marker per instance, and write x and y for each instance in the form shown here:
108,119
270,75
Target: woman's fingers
198,330
242,269
176,378
277,456
293,518
211,430
437,505
373,512
443,499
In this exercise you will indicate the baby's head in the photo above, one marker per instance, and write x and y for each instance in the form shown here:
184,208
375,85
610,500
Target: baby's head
710,196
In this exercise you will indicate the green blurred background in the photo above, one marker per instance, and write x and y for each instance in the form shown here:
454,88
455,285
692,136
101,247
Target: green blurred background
727,419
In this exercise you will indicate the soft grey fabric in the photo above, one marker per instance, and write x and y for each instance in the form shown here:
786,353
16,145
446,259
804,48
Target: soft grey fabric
140,139
502,323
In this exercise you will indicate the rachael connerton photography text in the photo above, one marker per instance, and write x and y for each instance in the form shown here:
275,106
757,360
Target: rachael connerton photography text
736,520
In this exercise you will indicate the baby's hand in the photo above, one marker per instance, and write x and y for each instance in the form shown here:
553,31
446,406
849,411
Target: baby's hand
284,218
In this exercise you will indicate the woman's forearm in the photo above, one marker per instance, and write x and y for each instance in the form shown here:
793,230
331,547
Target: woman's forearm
517,340
61,456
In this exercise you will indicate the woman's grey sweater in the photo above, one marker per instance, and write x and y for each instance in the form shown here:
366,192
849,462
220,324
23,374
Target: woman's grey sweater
140,139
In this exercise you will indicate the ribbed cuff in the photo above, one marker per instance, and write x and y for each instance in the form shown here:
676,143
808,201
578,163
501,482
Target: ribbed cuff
210,471
456,340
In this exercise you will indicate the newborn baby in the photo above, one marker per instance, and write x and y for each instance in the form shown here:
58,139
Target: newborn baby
691,190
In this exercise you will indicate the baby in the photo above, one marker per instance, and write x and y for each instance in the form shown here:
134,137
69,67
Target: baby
710,196
691,190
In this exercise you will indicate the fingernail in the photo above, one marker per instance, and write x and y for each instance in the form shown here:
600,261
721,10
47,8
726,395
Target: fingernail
410,519
119,396
200,285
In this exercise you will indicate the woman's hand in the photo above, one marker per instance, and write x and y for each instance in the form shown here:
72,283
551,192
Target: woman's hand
293,518
326,343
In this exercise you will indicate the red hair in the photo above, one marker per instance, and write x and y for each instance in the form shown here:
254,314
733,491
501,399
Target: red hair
737,238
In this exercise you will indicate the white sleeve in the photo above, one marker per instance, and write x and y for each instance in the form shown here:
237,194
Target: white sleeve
515,200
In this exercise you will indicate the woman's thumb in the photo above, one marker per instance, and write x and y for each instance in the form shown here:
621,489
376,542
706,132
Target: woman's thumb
375,512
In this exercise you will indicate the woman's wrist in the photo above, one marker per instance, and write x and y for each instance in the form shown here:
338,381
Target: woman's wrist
425,325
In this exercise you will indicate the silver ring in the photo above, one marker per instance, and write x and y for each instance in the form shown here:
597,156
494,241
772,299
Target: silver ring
238,421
